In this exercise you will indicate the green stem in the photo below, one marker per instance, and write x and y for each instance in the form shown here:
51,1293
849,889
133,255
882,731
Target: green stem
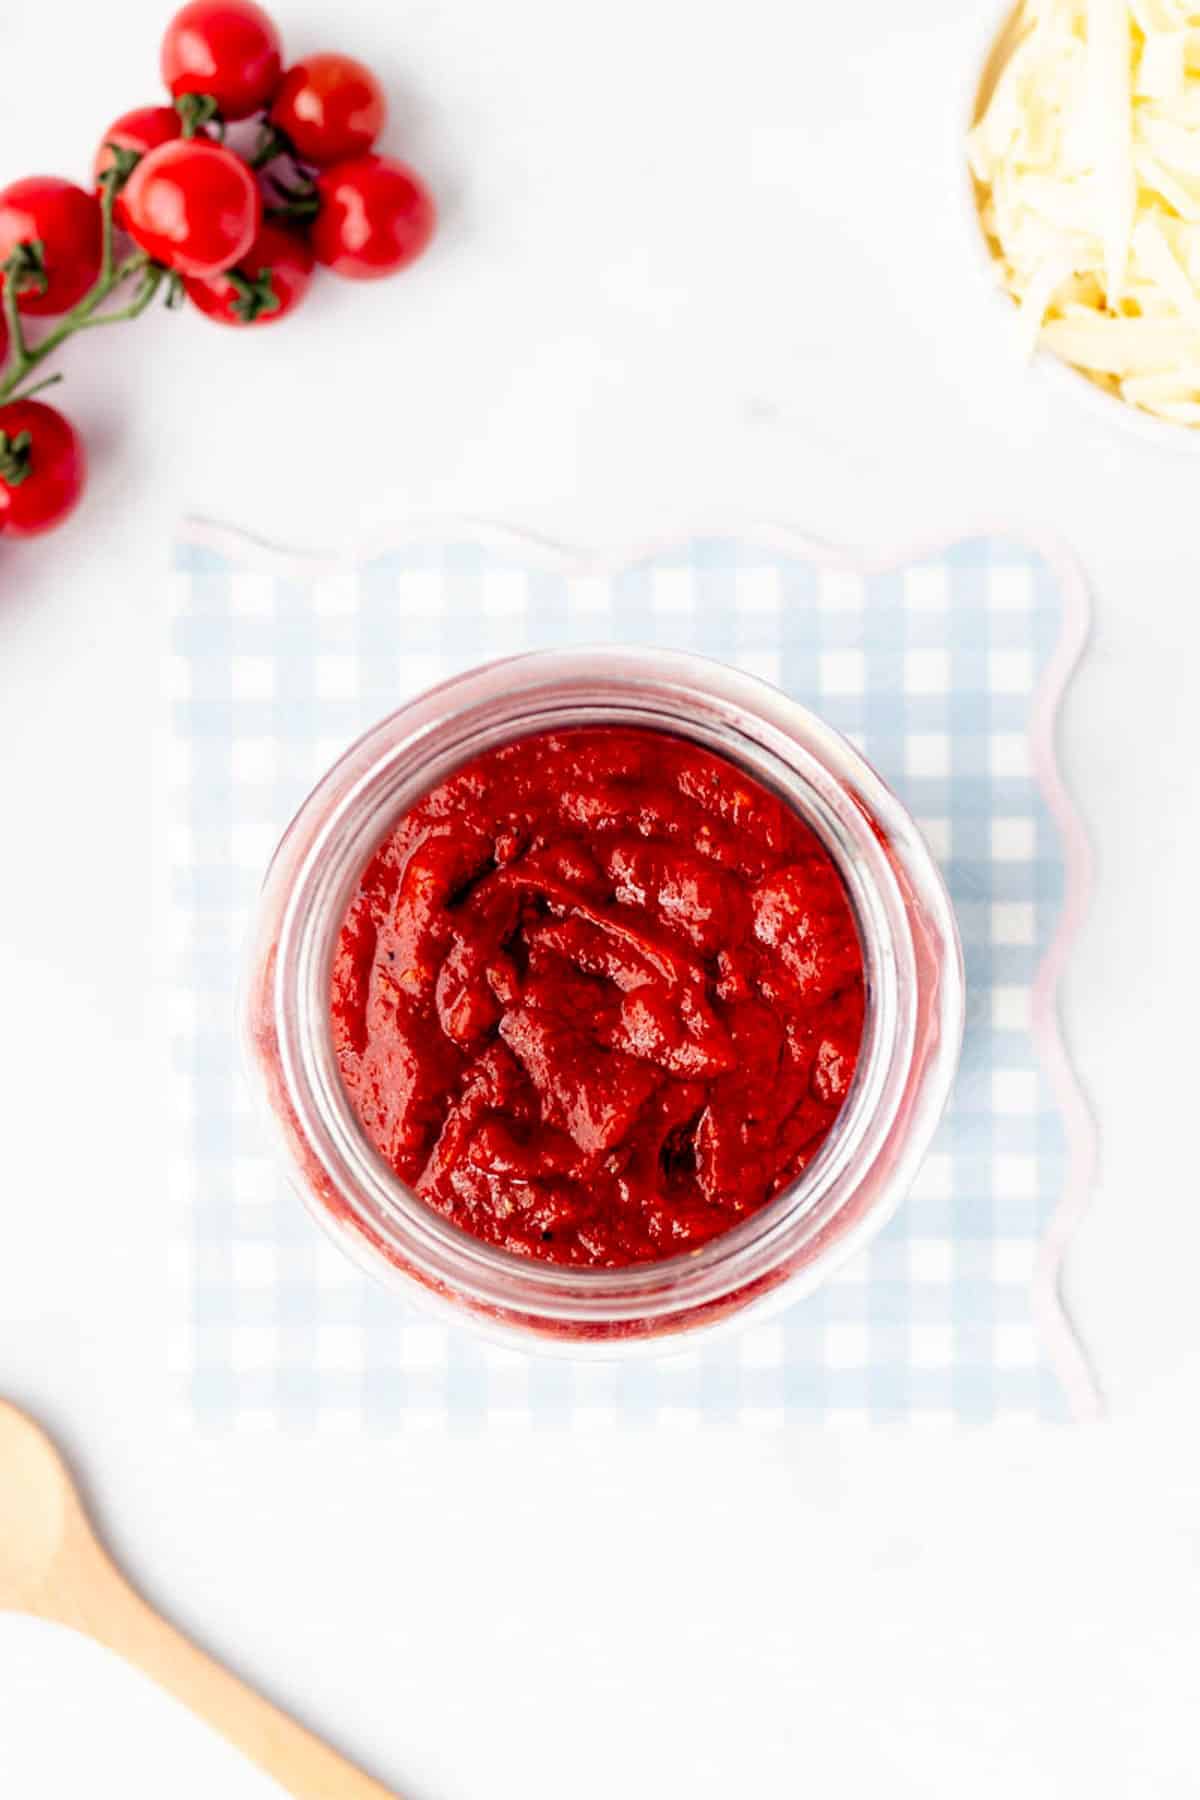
18,350
25,357
136,306
14,457
197,111
108,195
39,387
297,200
271,143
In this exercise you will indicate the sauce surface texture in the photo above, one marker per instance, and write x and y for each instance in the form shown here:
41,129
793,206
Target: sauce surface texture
598,997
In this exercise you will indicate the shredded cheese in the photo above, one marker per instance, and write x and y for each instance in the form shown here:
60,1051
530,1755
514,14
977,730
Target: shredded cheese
1086,159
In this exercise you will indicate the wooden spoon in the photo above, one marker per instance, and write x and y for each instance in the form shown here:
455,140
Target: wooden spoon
52,1566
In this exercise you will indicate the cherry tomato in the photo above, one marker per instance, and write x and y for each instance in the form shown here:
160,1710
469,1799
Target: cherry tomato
42,468
194,206
228,49
66,222
375,216
267,284
136,132
330,108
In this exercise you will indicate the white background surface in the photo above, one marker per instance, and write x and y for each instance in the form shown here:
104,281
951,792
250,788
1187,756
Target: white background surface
700,264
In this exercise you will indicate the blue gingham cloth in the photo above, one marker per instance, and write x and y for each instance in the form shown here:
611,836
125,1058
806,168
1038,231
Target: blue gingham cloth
931,667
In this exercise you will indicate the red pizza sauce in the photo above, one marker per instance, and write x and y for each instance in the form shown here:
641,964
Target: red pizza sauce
598,996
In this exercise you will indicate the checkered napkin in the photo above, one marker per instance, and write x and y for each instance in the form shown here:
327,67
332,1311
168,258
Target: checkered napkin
945,670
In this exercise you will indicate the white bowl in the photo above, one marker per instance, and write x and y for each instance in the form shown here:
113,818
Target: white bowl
1111,408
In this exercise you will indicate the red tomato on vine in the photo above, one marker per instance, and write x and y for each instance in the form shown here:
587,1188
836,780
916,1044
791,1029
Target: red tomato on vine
194,206
329,108
132,136
195,212
266,286
227,50
374,216
45,211
42,468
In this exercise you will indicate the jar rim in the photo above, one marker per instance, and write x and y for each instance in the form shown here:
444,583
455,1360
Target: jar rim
882,860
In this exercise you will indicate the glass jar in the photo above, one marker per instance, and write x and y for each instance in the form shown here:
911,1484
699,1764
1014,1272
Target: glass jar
911,1040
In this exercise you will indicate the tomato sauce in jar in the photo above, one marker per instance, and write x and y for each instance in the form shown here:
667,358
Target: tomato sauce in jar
598,997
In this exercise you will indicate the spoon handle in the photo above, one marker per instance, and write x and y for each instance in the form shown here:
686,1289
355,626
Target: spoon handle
110,1611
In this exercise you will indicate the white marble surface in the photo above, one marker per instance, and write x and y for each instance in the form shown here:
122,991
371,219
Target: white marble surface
700,264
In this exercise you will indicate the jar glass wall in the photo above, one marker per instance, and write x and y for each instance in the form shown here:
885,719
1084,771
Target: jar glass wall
912,1031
